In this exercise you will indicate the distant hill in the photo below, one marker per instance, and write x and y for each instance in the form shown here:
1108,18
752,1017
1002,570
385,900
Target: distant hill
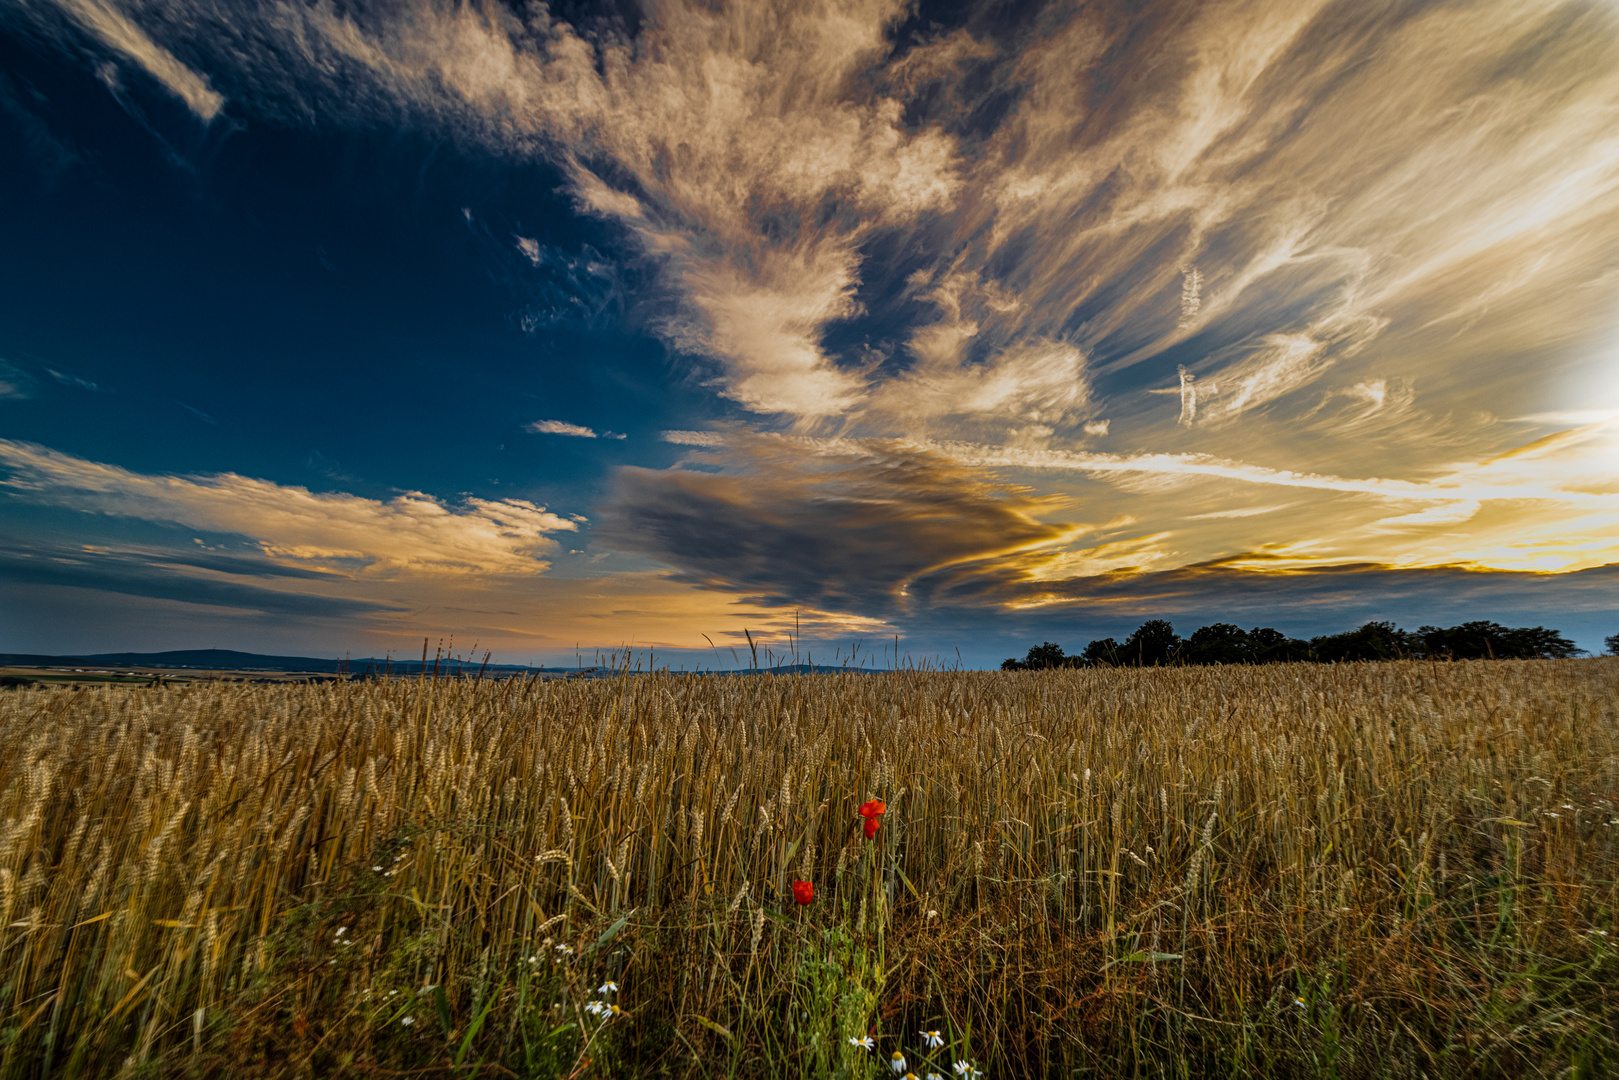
230,660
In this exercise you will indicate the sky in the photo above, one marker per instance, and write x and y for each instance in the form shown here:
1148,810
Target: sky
933,329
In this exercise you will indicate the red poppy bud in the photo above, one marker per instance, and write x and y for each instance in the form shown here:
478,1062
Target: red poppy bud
873,809
803,891
872,825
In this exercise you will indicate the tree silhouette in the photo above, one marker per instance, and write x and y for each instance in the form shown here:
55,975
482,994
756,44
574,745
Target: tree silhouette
1039,658
1484,640
1153,643
1371,641
1044,655
1103,651
1218,643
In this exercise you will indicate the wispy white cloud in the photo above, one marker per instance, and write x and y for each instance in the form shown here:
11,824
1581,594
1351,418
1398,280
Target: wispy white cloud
1372,405
1571,467
1570,417
118,32
1038,380
1191,297
694,438
1247,511
15,383
411,533
562,427
73,380
1281,364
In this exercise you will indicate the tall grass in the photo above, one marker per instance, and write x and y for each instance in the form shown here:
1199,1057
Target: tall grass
1393,869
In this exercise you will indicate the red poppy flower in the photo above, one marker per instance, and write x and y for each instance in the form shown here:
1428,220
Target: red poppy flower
873,810
803,891
872,825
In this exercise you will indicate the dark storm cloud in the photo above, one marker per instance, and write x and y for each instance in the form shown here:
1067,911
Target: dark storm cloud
869,529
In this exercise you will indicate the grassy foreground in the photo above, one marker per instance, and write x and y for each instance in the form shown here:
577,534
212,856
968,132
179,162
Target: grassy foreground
1361,870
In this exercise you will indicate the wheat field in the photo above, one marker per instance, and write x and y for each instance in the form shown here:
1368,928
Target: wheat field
1399,869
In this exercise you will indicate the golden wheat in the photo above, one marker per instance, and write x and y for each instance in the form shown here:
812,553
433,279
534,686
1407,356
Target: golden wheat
1233,868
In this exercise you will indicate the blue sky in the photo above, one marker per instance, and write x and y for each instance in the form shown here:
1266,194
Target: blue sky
325,328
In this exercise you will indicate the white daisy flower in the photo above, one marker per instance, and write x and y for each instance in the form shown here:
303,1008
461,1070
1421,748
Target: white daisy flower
865,1042
408,1020
932,1040
896,1061
608,987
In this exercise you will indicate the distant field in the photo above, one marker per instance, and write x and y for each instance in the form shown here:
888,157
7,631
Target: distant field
1360,870
127,676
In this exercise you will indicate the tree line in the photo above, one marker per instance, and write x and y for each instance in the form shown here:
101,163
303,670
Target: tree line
1155,642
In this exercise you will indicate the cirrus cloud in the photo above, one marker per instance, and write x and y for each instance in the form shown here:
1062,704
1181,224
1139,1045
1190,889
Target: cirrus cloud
562,427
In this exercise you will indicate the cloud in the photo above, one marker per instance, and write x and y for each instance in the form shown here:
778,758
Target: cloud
1570,417
1280,364
1550,506
944,553
1040,381
15,383
409,534
28,112
871,528
1323,599
1377,410
582,286
73,380
562,427
1568,468
1247,511
155,575
116,31
1191,297
1261,192
982,237
734,145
